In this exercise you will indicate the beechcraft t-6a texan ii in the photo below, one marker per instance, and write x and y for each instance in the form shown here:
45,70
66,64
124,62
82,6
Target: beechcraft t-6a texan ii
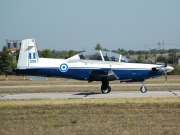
88,66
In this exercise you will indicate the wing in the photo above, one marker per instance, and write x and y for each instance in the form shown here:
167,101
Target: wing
98,75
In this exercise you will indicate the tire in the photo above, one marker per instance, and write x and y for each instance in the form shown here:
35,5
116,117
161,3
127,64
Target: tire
105,89
143,89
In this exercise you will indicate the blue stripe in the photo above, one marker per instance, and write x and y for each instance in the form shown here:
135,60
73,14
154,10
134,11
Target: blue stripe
34,55
29,55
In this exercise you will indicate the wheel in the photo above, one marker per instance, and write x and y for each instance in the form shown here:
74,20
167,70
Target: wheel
143,89
105,89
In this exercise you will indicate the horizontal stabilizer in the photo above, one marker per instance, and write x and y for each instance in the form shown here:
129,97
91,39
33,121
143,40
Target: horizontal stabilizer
37,78
65,80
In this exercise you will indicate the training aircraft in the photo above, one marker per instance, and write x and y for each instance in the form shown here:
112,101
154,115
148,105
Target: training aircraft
88,66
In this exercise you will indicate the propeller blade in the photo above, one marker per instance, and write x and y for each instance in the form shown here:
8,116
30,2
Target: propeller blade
165,72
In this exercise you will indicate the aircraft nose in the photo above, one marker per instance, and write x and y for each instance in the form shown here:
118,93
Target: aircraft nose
169,68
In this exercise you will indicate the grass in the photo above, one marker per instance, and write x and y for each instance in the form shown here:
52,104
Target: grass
91,116
88,116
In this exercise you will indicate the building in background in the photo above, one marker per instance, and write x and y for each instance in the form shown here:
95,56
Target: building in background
13,45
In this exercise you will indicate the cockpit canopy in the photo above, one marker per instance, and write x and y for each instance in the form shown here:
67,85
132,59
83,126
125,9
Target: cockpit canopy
103,56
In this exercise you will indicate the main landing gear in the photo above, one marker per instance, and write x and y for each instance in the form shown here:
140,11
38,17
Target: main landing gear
105,88
143,89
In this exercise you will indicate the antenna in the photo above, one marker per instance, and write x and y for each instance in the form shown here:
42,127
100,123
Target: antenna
159,45
163,44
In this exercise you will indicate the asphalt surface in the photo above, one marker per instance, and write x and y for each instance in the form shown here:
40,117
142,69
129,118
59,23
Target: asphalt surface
81,95
120,85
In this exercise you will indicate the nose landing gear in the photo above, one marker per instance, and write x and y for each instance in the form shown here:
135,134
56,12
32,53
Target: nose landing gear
143,89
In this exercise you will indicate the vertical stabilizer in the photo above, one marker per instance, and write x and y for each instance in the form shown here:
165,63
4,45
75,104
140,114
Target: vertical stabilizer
28,55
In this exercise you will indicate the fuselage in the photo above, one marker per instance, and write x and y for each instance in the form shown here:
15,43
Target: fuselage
81,69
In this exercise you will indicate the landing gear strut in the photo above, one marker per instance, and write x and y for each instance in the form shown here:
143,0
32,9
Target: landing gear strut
143,89
105,88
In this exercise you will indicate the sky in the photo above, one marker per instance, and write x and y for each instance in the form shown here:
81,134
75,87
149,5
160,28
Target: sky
82,24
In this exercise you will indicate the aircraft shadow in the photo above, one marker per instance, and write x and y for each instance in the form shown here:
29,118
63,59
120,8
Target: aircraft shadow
85,94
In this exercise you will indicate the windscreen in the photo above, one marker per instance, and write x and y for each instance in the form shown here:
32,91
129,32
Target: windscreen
103,55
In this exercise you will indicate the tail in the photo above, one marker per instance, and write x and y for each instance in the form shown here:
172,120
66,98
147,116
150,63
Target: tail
28,55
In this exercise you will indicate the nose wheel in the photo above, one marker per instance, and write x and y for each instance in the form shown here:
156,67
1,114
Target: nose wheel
143,89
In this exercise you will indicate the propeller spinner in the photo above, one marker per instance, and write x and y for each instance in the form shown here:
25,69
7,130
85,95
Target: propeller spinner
167,69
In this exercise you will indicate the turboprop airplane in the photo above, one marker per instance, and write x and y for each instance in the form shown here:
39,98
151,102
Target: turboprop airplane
88,66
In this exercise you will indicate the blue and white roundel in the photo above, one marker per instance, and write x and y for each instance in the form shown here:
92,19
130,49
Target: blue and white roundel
63,67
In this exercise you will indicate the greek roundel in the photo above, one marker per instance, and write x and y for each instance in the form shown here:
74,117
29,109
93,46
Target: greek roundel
63,67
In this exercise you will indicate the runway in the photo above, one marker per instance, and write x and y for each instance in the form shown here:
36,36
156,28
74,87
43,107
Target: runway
81,86
84,95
